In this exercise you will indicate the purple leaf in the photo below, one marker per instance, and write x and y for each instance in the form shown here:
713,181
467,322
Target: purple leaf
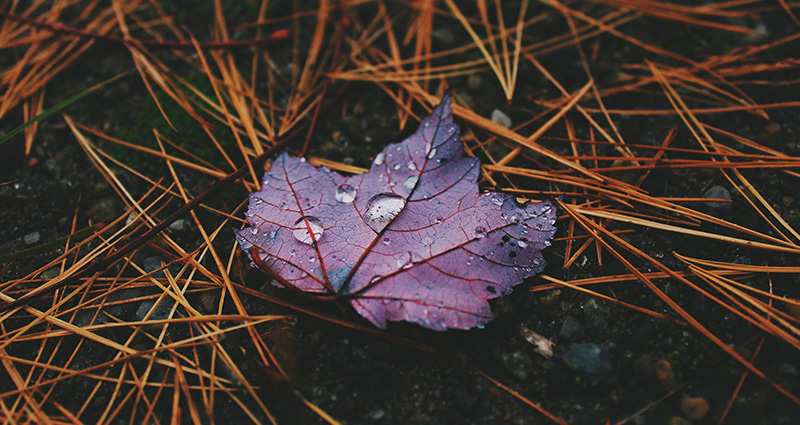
412,239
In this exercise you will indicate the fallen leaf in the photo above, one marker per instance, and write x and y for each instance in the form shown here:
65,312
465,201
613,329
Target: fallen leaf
413,239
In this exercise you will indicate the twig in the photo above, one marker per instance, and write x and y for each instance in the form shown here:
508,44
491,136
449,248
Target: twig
276,37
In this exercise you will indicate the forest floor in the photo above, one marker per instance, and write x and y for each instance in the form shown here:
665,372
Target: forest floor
697,320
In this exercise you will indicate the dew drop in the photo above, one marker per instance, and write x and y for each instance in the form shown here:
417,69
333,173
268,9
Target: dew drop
387,241
312,259
403,260
479,232
469,260
480,325
399,148
396,166
253,230
308,230
432,153
379,159
293,252
382,209
345,194
411,182
522,244
497,199
412,166
302,159
274,234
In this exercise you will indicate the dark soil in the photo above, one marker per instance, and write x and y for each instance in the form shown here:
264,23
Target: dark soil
359,378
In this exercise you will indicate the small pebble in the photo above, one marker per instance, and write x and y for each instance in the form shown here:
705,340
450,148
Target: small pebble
179,225
719,192
679,420
590,358
663,370
474,82
377,414
51,273
773,129
31,238
501,118
569,327
695,408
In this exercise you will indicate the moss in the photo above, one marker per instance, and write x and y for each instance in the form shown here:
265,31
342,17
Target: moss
188,133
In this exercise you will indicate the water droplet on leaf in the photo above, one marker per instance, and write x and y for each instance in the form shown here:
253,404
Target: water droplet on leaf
345,194
307,230
382,209
412,166
379,159
411,182
479,232
403,260
432,153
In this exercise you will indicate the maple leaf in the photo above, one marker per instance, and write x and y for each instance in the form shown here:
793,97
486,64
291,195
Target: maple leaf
413,239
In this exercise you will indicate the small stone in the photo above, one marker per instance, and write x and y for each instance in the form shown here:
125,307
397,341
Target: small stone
589,358
51,273
694,408
160,312
153,263
569,327
501,118
103,209
597,313
518,363
786,368
679,420
377,414
209,301
758,35
719,192
31,238
773,129
445,35
663,371
474,82
179,225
